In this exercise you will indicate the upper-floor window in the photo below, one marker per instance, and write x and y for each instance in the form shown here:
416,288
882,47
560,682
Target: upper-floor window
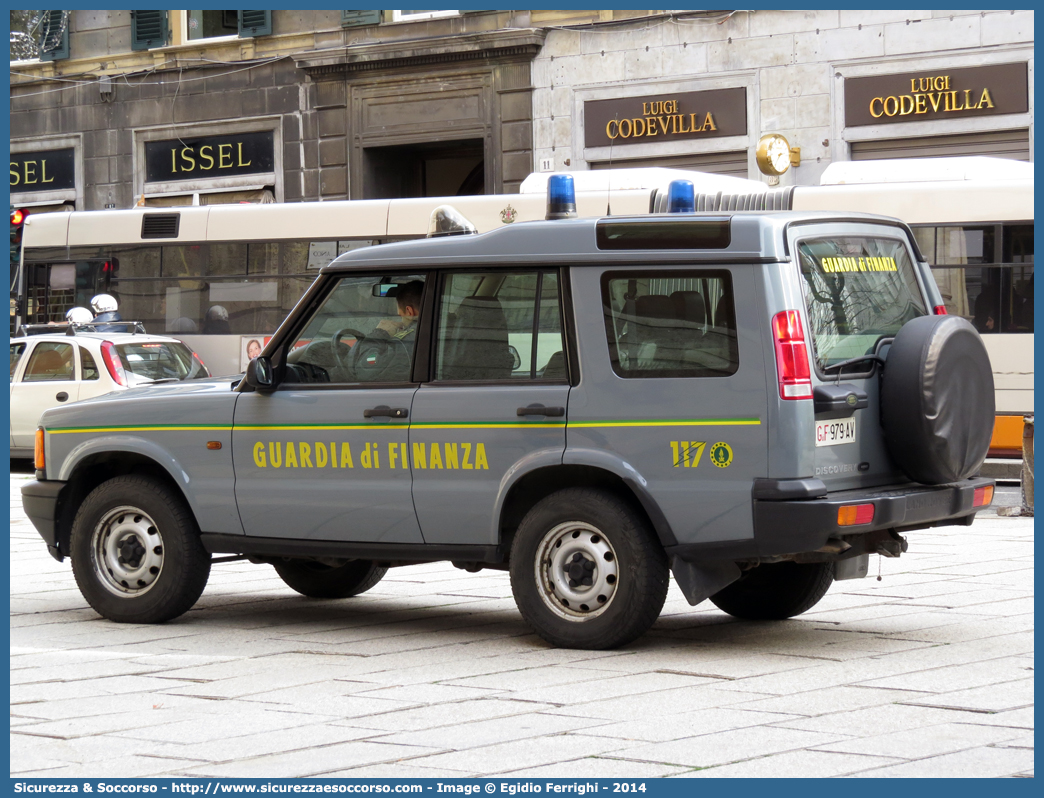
210,24
409,16
151,29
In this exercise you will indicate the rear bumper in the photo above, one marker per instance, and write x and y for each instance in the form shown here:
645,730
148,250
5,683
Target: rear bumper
800,526
40,502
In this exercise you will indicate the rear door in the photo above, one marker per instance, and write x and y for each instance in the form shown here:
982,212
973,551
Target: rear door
496,405
860,286
672,393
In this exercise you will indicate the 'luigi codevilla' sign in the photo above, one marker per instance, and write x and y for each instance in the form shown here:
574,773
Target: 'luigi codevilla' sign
938,94
43,170
208,156
665,117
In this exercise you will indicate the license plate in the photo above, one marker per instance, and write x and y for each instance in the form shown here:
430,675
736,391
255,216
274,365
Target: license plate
831,433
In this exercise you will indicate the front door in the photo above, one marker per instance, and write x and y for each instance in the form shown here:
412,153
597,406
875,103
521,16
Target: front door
48,380
497,401
324,456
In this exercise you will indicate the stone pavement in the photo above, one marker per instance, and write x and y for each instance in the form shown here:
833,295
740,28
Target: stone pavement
928,672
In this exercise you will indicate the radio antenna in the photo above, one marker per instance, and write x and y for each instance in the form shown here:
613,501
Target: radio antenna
609,181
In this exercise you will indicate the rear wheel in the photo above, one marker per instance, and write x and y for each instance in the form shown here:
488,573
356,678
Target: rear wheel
136,553
776,591
586,571
319,580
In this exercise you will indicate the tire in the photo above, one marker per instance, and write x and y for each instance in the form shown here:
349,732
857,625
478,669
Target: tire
620,569
318,580
937,400
776,591
136,552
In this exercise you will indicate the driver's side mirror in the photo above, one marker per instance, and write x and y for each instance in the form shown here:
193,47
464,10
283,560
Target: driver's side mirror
259,375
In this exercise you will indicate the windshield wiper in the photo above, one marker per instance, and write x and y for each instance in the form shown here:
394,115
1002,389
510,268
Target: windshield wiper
853,361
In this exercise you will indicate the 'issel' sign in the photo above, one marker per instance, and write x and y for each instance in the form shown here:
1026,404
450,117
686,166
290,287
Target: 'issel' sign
209,156
44,170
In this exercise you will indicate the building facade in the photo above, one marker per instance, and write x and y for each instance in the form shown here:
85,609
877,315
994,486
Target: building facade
196,107
698,90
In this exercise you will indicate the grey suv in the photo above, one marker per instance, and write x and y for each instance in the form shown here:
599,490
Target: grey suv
754,401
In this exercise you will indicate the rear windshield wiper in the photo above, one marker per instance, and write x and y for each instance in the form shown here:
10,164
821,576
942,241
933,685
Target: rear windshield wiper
853,361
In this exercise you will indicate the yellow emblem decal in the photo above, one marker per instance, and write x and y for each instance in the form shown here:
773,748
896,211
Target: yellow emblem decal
721,454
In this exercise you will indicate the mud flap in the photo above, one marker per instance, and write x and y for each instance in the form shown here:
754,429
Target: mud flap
699,581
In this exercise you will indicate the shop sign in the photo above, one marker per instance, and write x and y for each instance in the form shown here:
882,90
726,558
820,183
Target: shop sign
937,94
192,158
43,170
665,117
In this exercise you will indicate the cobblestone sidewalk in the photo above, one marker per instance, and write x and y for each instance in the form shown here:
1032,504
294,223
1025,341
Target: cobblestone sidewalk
928,672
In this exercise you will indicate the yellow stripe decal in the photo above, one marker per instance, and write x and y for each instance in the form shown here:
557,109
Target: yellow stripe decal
166,428
698,422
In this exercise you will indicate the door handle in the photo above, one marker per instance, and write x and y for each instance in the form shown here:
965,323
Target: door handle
61,396
540,410
383,411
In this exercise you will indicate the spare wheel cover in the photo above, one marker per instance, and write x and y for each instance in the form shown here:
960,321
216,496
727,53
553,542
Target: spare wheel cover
937,402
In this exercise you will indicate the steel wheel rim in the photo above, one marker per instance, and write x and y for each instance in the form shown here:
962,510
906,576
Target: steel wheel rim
577,571
127,552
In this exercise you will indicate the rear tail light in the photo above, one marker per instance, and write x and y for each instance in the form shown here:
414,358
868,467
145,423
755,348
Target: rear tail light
983,496
113,363
795,377
939,310
855,514
38,450
202,365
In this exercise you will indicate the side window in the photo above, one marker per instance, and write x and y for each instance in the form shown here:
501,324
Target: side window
500,326
49,362
16,354
365,331
670,324
87,365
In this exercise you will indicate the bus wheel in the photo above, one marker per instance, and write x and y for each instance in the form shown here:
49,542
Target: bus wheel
586,570
776,591
136,553
319,580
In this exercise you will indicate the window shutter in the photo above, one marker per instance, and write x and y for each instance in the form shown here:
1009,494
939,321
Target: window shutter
148,29
54,35
255,23
352,19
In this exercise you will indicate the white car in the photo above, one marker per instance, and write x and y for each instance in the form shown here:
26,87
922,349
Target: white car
56,368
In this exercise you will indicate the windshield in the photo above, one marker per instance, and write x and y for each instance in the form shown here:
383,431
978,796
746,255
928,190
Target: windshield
161,361
857,291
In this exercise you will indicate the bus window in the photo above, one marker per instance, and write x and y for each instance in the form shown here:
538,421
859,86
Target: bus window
984,272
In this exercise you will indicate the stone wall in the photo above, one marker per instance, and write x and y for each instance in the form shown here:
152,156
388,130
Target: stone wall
791,61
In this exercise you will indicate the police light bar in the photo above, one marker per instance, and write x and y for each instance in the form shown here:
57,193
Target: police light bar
561,197
446,220
681,197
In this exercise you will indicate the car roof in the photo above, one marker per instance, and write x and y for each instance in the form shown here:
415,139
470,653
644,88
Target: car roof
755,236
116,338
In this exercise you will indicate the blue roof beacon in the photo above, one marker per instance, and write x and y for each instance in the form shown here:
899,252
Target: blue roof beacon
681,197
561,197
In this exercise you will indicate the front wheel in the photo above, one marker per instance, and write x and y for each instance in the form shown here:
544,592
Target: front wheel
319,580
586,570
136,552
776,591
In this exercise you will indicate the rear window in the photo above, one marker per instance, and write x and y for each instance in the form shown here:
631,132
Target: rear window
161,361
858,290
670,323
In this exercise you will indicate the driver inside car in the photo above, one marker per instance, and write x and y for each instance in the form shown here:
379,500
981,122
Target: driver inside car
408,302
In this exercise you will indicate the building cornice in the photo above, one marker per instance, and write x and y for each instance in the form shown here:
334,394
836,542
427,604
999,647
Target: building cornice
500,45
